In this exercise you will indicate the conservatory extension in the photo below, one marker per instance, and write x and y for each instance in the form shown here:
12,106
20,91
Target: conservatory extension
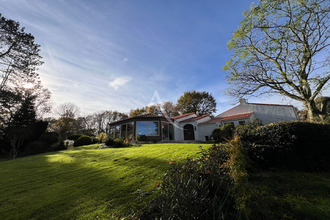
154,127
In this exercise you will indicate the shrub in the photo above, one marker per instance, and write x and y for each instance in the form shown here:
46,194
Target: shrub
37,147
49,137
59,146
211,187
68,143
102,137
294,145
83,140
116,143
74,137
223,133
141,138
110,142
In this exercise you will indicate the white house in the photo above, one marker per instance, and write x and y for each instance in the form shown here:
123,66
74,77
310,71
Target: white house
190,127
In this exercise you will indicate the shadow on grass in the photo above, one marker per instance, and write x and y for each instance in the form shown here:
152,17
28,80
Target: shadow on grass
291,195
74,184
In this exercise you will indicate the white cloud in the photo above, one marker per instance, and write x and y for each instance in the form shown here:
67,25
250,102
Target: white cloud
125,60
119,81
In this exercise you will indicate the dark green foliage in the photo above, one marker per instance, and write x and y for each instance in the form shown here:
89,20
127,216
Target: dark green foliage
223,133
141,138
49,137
74,137
296,145
110,142
60,146
37,147
203,188
200,103
117,143
83,140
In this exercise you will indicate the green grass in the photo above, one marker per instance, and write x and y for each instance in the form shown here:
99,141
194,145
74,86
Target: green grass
85,182
290,195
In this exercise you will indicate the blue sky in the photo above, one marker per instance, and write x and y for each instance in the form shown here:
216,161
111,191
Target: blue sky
114,55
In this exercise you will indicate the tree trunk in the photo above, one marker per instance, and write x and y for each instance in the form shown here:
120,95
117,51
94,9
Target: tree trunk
312,111
13,151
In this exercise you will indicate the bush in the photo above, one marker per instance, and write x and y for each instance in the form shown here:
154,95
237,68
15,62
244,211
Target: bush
116,143
82,140
141,138
59,146
49,137
109,142
223,133
36,147
74,137
102,137
294,145
211,187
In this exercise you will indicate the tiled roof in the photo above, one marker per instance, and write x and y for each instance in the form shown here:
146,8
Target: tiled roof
227,110
195,119
148,116
231,117
247,103
182,116
270,104
138,116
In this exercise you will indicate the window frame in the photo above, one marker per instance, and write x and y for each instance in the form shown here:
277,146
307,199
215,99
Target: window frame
136,129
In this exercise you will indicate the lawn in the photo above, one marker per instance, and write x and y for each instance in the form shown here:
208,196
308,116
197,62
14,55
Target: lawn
290,195
85,182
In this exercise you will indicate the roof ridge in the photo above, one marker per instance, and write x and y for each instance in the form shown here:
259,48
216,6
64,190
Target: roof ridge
227,110
251,103
236,114
183,115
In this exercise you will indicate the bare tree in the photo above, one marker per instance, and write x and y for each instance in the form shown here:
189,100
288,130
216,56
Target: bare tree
68,110
280,47
19,55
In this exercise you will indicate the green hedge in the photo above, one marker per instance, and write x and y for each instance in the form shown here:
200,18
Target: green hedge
83,140
74,137
223,133
297,145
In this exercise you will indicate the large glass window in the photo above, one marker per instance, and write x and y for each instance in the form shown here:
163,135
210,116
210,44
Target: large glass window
123,131
117,131
148,128
167,131
112,131
130,130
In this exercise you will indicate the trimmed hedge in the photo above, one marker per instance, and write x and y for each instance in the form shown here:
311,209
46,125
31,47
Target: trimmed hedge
293,145
224,133
74,137
83,140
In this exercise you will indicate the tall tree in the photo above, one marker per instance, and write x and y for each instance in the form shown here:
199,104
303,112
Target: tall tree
21,126
19,54
67,124
170,109
138,111
197,102
166,108
280,48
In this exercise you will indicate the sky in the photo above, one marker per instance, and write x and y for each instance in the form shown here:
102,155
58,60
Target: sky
120,55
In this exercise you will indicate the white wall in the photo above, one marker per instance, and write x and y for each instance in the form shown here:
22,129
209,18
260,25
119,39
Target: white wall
266,113
206,130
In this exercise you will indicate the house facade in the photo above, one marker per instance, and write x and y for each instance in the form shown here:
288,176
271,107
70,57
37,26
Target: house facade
190,127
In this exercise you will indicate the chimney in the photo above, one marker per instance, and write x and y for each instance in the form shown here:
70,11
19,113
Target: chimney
242,101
